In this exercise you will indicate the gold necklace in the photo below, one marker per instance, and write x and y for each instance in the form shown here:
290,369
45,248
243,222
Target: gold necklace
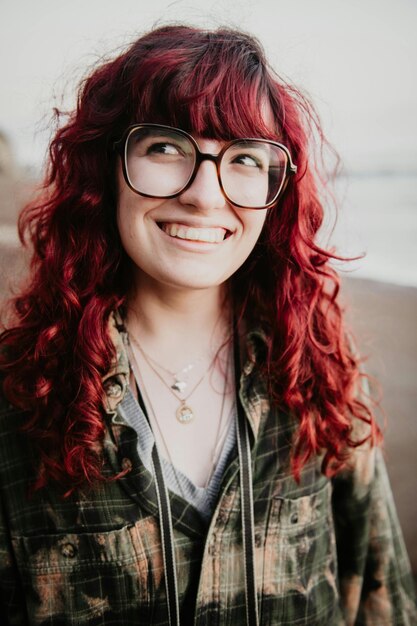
184,413
179,377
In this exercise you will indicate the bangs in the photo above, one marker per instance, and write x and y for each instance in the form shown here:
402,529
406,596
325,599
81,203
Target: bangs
218,88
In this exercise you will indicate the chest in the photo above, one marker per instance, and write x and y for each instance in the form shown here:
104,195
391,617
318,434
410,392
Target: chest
190,432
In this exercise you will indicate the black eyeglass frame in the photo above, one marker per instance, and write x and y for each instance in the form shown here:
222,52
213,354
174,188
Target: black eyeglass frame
121,145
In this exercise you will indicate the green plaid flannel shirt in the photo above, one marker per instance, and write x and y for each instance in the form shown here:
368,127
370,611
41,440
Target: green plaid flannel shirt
328,552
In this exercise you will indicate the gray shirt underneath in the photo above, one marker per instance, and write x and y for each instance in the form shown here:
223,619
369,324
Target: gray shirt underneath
202,498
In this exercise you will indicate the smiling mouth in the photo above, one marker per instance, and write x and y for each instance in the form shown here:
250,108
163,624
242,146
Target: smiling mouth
207,235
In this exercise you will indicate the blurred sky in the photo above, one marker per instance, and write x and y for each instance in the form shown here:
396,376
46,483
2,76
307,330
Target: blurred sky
357,59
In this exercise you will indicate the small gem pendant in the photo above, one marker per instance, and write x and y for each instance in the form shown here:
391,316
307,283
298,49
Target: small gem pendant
179,385
184,414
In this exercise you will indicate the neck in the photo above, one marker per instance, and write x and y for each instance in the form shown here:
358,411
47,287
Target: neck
178,324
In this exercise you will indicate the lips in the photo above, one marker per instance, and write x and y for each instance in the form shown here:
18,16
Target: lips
192,233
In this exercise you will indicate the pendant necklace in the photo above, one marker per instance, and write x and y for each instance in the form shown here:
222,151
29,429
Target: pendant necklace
184,413
179,377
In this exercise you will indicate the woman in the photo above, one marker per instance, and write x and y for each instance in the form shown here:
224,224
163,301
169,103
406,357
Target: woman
185,438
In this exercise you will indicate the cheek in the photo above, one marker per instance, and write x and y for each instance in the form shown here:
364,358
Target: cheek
131,213
130,223
253,225
129,208
124,208
251,230
125,220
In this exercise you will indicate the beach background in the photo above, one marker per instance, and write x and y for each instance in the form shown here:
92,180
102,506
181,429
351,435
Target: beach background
358,61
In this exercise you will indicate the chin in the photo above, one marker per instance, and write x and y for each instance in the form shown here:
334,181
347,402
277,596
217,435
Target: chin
194,283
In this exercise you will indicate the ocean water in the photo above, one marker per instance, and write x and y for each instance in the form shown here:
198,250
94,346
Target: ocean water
377,217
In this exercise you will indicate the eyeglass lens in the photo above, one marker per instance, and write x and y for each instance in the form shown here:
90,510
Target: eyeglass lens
160,163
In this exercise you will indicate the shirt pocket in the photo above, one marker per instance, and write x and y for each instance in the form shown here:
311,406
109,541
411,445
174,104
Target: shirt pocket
300,562
76,577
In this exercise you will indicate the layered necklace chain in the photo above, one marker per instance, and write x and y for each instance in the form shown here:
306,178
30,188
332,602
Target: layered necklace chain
224,420
179,378
184,412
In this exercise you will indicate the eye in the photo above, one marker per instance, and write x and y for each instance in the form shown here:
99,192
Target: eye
164,148
248,160
248,157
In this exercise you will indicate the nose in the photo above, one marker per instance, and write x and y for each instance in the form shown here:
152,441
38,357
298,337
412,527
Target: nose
205,192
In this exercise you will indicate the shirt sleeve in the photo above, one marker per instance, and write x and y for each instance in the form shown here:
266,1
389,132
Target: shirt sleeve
375,578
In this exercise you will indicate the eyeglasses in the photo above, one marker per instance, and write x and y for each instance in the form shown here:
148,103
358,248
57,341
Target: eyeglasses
162,162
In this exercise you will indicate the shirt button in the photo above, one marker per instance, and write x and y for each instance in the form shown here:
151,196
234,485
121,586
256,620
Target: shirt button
294,518
113,389
126,464
68,550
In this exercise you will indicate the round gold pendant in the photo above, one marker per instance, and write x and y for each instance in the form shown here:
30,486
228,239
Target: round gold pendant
184,414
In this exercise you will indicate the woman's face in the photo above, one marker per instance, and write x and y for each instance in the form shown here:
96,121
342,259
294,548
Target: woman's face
194,241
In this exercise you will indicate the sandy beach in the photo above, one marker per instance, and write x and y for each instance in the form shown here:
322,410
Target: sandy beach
384,320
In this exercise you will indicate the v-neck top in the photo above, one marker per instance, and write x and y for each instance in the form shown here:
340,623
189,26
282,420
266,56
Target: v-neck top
202,498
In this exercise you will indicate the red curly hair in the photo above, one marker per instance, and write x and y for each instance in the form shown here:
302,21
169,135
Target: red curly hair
214,84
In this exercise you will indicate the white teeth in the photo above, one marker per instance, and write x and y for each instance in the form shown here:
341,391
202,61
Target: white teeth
209,235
